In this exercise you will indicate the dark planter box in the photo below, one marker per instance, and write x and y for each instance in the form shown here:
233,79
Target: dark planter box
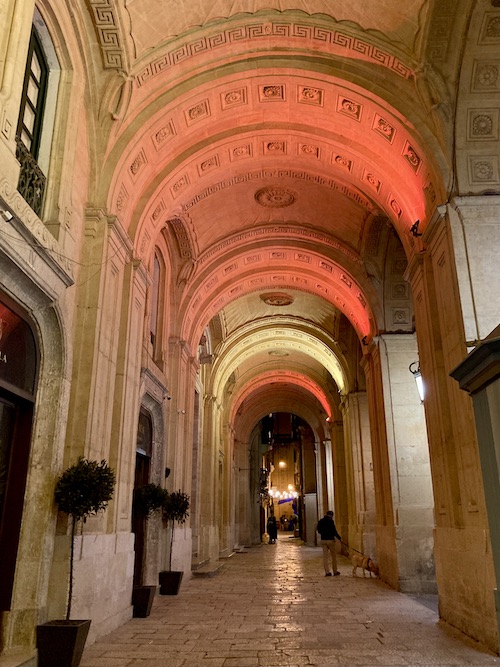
61,643
170,582
142,600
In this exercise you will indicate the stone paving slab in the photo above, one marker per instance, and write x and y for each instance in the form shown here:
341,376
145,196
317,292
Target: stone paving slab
273,607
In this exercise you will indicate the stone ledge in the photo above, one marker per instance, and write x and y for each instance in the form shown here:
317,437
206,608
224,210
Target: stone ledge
208,570
17,659
196,564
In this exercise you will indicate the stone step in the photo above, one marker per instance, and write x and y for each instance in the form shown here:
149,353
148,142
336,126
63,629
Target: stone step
208,570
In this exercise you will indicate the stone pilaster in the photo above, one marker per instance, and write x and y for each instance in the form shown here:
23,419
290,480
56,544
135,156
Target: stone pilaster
359,473
384,521
475,231
409,465
479,374
461,536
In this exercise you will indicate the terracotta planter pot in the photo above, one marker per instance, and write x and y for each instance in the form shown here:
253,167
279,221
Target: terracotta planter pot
142,600
170,582
61,643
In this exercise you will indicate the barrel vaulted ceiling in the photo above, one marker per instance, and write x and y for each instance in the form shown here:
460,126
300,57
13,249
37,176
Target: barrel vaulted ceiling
279,144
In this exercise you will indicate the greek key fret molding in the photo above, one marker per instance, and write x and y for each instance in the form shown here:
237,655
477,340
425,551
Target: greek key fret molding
332,39
273,173
109,34
274,232
182,238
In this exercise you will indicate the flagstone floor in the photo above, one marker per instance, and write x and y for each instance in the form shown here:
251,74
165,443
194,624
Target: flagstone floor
272,606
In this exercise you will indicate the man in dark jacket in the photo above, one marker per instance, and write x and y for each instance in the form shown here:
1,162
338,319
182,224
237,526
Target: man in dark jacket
326,528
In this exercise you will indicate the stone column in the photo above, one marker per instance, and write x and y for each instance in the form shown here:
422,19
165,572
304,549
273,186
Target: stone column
102,420
359,474
340,500
387,555
408,451
479,374
461,538
475,230
182,376
330,489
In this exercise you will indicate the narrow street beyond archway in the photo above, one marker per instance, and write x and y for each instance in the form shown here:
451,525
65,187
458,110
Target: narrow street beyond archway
272,605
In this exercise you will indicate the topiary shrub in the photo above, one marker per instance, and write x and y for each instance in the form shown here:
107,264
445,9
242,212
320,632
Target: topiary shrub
82,490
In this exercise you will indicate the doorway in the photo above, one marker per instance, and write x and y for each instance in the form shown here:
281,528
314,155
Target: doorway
141,478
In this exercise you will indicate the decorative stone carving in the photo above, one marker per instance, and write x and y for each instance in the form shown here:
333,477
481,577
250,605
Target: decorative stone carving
157,212
309,149
275,197
277,298
384,128
400,316
198,112
282,173
121,200
373,236
108,33
240,152
430,192
272,93
410,154
483,124
395,206
179,185
483,169
330,39
399,265
275,147
485,76
251,259
349,108
372,180
138,164
399,291
325,266
343,162
163,134
308,95
234,98
182,238
491,29
208,164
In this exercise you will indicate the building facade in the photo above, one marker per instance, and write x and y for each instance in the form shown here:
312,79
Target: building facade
229,238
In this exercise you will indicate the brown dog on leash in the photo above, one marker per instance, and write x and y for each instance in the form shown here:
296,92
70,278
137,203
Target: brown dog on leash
365,563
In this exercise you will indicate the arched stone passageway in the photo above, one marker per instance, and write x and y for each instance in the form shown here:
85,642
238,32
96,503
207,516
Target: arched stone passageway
238,214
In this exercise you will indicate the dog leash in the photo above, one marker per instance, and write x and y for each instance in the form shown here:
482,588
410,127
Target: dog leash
352,548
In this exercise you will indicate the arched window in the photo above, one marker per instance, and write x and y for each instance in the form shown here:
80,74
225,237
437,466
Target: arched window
157,307
155,297
36,114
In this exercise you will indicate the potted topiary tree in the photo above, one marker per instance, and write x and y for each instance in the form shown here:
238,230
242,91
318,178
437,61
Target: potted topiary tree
82,490
147,500
175,510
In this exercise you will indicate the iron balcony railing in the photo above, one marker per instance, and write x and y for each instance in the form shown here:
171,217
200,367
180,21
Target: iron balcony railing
32,180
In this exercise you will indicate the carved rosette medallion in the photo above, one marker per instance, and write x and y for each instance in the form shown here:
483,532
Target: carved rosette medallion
275,197
277,298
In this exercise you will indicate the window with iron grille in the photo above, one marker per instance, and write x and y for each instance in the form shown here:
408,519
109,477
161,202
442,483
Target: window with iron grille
29,129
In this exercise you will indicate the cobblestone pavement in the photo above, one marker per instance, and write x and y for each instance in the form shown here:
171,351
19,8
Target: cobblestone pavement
272,606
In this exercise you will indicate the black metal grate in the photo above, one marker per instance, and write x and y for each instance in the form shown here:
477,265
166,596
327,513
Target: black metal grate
32,180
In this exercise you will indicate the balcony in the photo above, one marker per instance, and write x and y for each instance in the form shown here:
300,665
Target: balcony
32,181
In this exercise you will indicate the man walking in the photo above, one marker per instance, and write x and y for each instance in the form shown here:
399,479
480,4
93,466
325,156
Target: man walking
326,528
